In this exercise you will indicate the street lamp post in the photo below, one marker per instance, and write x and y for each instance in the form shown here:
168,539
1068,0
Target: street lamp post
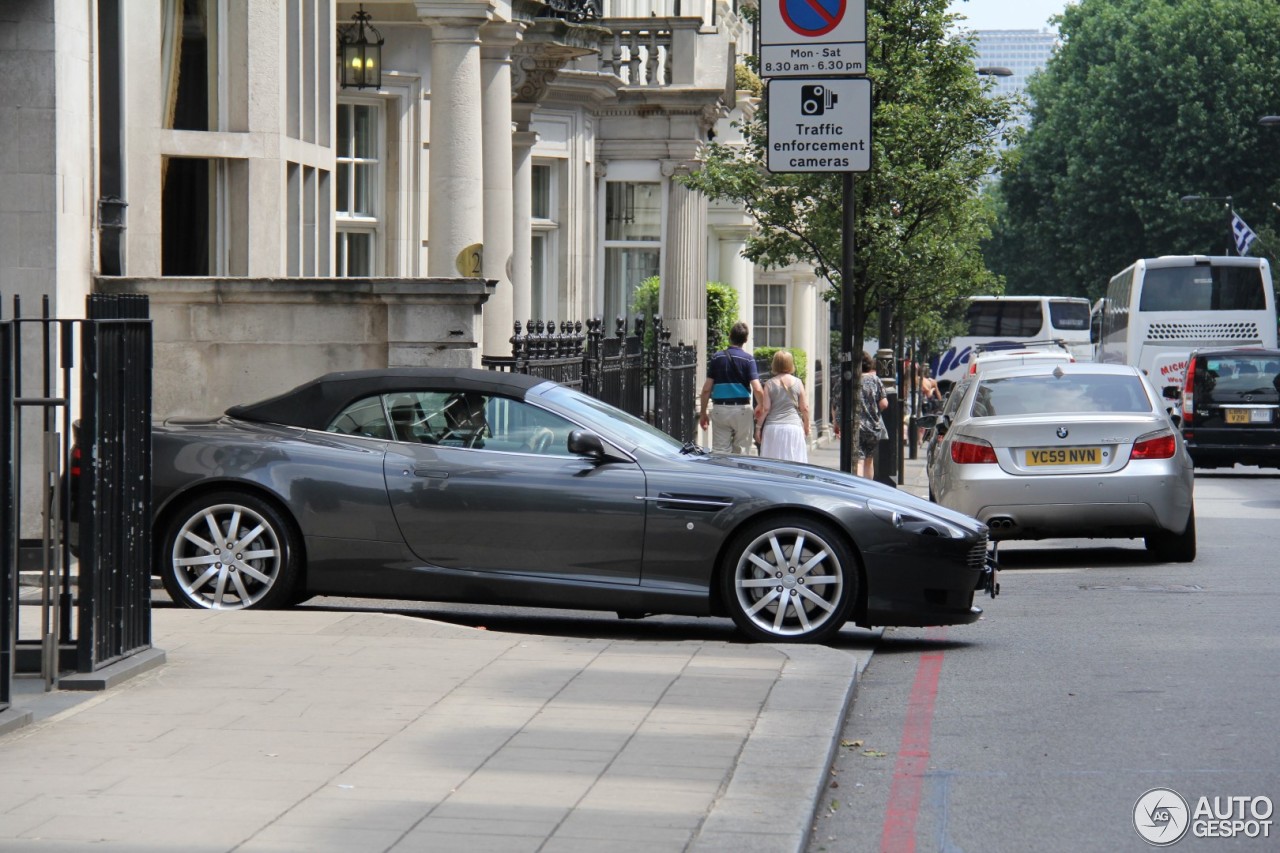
1226,206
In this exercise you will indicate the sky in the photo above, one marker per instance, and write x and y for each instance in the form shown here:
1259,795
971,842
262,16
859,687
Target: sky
1006,14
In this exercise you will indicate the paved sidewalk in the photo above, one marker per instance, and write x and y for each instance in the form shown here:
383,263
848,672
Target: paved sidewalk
318,731
326,731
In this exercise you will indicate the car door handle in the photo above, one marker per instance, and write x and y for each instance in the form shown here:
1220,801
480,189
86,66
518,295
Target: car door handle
432,473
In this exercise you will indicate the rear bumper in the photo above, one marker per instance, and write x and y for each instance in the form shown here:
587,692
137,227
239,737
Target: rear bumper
1226,447
1143,498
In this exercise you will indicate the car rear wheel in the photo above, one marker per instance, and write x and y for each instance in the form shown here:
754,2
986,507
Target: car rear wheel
1174,547
230,551
789,580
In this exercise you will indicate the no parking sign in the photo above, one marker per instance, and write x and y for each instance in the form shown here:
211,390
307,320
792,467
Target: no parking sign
808,38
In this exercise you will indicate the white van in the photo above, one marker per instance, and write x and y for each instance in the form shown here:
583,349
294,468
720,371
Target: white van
1010,322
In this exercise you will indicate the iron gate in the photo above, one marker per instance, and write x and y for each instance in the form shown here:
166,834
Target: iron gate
86,417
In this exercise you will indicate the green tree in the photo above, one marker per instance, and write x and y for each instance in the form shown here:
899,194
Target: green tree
919,218
1144,102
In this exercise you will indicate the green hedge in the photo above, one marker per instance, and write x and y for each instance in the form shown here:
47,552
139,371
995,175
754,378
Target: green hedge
764,355
722,310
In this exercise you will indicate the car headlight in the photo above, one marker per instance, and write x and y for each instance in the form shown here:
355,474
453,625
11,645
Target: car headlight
915,522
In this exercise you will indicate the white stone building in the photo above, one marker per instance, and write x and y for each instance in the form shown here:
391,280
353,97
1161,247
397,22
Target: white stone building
513,164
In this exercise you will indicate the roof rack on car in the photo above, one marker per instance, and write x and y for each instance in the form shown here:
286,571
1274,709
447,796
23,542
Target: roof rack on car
996,346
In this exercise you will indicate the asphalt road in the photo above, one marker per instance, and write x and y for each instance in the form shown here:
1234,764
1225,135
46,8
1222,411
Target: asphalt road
1096,676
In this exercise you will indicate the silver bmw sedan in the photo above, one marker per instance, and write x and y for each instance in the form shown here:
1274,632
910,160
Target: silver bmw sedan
1069,450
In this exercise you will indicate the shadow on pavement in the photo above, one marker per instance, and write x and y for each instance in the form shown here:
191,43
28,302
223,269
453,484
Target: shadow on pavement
1048,557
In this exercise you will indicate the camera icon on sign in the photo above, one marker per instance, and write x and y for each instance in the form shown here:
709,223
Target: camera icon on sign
816,100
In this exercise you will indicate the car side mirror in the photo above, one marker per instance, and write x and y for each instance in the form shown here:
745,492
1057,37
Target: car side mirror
583,443
927,421
1171,392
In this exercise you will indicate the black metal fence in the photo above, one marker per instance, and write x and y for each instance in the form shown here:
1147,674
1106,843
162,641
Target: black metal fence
86,416
657,383
674,380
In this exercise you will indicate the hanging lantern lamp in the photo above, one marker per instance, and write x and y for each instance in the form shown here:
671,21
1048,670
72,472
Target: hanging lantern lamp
360,46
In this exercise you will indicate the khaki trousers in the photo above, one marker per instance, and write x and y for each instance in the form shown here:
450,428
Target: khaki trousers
732,428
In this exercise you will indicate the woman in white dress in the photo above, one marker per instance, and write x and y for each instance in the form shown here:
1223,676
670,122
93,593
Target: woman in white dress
782,421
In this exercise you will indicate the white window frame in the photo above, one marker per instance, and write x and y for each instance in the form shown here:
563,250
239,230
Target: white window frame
544,297
373,223
761,330
621,176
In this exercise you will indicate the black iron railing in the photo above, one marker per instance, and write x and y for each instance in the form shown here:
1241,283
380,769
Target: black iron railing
657,385
572,10
80,420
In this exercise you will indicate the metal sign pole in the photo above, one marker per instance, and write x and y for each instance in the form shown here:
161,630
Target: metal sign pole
847,366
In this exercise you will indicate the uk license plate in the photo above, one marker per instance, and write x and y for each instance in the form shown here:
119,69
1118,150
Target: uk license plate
1246,416
1064,456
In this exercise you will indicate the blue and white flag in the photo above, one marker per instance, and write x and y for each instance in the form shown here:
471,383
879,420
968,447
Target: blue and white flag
1242,233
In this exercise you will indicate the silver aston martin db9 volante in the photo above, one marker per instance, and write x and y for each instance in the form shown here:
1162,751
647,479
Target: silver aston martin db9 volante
1071,450
496,488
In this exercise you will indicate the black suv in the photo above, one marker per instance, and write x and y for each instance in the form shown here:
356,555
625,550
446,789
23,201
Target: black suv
1231,407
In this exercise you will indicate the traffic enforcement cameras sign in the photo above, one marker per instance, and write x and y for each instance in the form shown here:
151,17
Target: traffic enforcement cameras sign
813,38
819,125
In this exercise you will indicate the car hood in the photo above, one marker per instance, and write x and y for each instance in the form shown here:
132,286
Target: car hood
828,480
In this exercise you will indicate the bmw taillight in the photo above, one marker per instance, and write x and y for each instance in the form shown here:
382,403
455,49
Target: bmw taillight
1155,446
1188,399
970,451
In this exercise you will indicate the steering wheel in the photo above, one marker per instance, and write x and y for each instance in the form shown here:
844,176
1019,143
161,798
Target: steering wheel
541,440
476,439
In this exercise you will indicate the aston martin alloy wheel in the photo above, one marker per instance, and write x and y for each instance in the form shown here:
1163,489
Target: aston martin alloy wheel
789,579
229,551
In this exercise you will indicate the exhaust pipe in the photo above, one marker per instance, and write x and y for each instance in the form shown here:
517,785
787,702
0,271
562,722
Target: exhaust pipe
1001,522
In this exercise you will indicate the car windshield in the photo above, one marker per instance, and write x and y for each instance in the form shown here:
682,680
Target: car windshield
1231,377
1052,394
1069,315
1203,288
621,427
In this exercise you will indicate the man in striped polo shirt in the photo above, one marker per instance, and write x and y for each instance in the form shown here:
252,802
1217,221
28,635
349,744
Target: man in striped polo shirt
733,384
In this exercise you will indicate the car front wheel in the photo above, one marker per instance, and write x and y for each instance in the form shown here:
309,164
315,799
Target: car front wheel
230,551
1174,547
789,580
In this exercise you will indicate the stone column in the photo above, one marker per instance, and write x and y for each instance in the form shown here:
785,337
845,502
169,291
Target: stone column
684,262
495,72
456,184
736,271
801,334
522,215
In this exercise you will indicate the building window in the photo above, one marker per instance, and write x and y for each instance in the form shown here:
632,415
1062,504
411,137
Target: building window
632,247
358,211
190,64
544,246
770,328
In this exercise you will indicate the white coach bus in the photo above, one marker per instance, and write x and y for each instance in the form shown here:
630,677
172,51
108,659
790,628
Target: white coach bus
1158,310
1010,322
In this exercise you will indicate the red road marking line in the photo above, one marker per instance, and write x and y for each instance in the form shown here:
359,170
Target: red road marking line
899,833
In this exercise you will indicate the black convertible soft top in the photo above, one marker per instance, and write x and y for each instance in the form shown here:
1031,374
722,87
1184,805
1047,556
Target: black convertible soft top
314,404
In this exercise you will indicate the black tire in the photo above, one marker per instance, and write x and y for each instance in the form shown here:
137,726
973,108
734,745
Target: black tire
761,568
199,570
1174,547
